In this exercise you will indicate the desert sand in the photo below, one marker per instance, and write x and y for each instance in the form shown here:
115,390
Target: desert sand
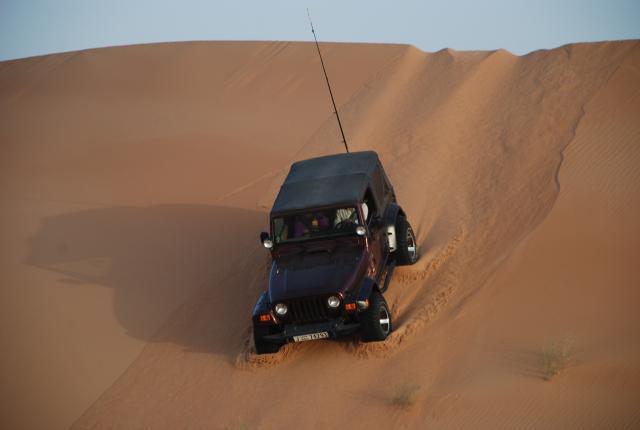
135,181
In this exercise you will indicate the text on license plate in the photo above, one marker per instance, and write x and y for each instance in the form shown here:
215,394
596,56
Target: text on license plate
312,336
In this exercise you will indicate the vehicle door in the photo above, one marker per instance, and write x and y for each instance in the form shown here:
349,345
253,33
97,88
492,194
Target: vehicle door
377,237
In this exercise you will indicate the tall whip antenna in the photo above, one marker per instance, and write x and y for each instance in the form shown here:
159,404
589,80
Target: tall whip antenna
335,109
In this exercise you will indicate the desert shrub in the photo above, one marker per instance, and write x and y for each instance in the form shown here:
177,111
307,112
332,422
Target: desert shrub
556,356
405,395
238,425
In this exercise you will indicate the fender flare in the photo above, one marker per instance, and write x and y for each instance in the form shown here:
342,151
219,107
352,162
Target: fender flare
367,286
390,216
262,305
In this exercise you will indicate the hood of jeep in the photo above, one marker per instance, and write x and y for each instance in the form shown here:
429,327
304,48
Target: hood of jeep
314,273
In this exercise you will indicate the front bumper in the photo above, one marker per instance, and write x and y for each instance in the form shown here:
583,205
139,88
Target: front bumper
336,328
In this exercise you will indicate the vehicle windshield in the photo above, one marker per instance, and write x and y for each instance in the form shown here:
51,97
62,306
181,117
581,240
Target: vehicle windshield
315,224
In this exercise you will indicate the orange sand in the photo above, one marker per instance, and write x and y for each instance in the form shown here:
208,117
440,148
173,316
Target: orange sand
135,181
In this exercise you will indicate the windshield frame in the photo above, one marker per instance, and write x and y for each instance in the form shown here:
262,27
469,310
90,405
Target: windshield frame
328,235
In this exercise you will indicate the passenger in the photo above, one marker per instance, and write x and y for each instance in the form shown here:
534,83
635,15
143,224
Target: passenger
312,222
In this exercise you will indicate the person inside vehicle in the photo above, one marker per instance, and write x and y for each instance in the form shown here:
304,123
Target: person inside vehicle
349,216
345,216
312,222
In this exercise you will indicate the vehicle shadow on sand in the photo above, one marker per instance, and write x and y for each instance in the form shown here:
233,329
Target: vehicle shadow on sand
171,268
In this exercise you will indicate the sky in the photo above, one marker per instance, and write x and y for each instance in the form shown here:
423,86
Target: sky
36,27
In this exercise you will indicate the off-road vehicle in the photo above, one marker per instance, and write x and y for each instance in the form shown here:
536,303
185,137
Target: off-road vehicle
337,233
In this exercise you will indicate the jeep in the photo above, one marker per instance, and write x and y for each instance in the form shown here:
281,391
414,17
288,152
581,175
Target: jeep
336,236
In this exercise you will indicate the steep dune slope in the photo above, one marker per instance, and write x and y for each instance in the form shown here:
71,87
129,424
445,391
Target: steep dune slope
118,170
157,183
473,143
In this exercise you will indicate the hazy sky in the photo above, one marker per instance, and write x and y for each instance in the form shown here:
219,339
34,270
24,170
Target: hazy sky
34,27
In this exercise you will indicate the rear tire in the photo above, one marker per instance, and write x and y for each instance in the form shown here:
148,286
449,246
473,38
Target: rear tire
376,321
407,250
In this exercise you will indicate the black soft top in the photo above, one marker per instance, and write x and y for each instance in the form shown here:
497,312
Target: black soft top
332,180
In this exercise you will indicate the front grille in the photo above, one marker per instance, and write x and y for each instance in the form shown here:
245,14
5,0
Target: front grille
308,310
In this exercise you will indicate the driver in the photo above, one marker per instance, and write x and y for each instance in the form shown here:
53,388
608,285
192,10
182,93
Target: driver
349,215
344,215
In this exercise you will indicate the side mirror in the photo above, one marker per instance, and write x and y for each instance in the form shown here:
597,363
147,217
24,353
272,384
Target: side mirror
265,240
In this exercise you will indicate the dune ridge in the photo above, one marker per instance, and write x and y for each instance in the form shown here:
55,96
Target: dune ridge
150,169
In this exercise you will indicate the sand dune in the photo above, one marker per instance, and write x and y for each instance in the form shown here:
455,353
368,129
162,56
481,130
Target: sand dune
135,181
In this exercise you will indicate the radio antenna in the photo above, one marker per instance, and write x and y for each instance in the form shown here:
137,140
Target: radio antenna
335,109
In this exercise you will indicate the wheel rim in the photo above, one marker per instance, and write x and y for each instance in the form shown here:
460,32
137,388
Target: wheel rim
411,244
385,320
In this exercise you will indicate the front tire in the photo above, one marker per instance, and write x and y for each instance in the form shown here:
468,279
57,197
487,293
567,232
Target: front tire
262,346
376,321
407,251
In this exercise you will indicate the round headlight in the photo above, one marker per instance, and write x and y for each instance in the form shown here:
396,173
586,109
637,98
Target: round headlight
360,230
281,309
333,302
268,243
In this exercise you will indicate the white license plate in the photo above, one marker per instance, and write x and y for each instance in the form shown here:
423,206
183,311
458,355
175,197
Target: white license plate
312,336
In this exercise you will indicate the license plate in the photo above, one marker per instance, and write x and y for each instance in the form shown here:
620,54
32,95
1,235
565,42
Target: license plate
312,336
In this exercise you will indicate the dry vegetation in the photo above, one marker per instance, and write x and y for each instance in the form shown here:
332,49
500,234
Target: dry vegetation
405,395
556,356
239,425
